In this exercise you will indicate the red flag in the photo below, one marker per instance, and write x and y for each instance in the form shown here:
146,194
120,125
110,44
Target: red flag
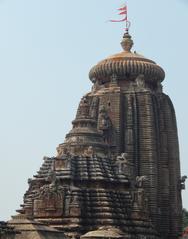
123,13
122,8
122,20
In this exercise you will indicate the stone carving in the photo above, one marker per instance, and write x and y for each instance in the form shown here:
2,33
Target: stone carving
89,152
67,203
140,200
62,164
123,157
104,119
104,123
95,86
53,188
124,166
94,108
140,181
73,139
62,151
65,151
83,110
75,209
182,182
140,82
74,198
50,199
52,179
159,87
114,79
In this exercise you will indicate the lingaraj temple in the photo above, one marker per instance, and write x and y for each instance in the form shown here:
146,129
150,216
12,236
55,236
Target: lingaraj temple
117,174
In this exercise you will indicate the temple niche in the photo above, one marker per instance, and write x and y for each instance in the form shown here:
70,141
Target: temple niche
117,174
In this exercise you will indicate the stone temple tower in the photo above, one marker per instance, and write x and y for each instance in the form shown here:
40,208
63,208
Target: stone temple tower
118,171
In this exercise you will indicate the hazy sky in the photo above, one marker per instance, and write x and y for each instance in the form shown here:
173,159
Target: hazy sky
46,50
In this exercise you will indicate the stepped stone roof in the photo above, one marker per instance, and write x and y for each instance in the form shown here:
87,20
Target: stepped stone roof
32,229
6,230
82,168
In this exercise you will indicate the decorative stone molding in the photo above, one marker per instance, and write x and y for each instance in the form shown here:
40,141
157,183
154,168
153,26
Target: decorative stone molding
182,182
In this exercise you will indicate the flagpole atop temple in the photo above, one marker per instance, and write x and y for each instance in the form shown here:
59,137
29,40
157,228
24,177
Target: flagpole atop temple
124,11
127,22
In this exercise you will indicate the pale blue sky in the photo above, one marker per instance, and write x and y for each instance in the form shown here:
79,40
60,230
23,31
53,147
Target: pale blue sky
46,50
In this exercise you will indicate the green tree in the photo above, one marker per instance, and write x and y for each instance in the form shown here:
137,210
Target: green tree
185,218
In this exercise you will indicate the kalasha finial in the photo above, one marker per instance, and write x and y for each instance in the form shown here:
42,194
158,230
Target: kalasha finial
127,42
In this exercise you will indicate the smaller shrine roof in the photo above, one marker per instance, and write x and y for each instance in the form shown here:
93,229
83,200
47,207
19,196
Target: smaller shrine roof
103,232
32,229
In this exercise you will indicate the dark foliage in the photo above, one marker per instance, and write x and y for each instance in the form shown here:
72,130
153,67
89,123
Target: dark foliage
185,218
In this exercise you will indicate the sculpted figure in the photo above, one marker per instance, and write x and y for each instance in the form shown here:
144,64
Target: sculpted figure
140,199
122,163
123,157
53,188
104,118
94,108
140,181
61,151
183,179
140,81
89,152
83,110
182,182
52,178
105,124
64,151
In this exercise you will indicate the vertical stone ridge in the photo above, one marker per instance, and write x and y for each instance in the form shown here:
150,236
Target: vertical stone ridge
163,169
147,149
174,169
131,146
